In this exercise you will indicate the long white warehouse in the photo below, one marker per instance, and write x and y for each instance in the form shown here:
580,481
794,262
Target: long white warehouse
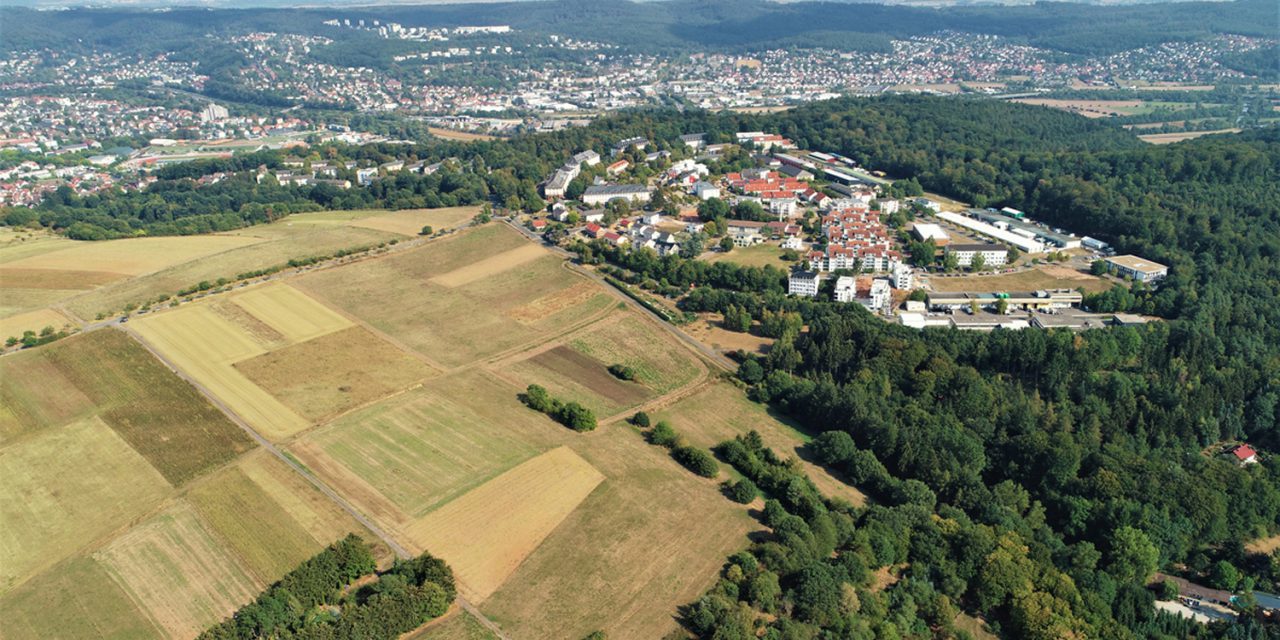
1027,245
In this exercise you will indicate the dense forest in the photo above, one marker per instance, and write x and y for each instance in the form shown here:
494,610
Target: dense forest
677,26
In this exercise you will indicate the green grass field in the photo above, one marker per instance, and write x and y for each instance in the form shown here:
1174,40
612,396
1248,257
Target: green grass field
76,599
64,488
453,326
758,256
158,414
262,534
428,446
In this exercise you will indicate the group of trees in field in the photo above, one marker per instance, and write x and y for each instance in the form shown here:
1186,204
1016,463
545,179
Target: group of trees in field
570,414
695,459
315,601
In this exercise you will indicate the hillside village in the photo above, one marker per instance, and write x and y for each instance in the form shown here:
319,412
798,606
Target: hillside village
843,232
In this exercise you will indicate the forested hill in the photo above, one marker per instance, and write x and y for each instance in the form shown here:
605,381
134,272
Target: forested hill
675,26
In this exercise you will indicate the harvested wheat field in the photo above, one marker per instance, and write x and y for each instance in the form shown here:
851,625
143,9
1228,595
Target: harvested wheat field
555,302
326,376
32,321
254,248
204,345
65,487
290,312
411,221
624,561
721,411
178,572
491,266
400,458
660,363
134,256
485,534
571,374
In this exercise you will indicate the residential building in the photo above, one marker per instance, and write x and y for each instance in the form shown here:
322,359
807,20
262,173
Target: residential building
214,113
993,255
589,157
695,141
1137,268
617,167
903,276
804,283
603,193
745,233
1243,454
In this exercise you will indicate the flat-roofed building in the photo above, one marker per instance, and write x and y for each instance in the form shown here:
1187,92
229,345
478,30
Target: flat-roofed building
1030,300
1139,269
993,255
804,283
600,194
928,231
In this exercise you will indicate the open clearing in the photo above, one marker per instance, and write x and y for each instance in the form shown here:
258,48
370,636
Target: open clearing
178,573
400,458
325,376
491,266
459,325
462,136
1033,279
757,256
411,221
1264,546
32,321
76,599
1170,138
65,487
709,330
485,534
721,411
204,345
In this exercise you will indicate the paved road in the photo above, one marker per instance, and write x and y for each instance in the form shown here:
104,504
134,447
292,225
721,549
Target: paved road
714,356
373,528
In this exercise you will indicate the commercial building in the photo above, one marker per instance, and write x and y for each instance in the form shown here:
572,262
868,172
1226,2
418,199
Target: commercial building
1030,300
706,190
804,283
925,231
1027,245
1137,268
993,255
603,193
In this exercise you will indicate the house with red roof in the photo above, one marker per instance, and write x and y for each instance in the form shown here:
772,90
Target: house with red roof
1243,454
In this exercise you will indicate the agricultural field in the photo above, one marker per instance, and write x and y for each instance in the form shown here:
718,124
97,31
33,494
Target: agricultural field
1105,108
487,532
624,561
326,376
1044,276
75,599
179,572
256,247
106,374
459,626
36,321
41,270
757,256
462,136
453,306
720,411
206,341
66,487
578,368
407,455
408,222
